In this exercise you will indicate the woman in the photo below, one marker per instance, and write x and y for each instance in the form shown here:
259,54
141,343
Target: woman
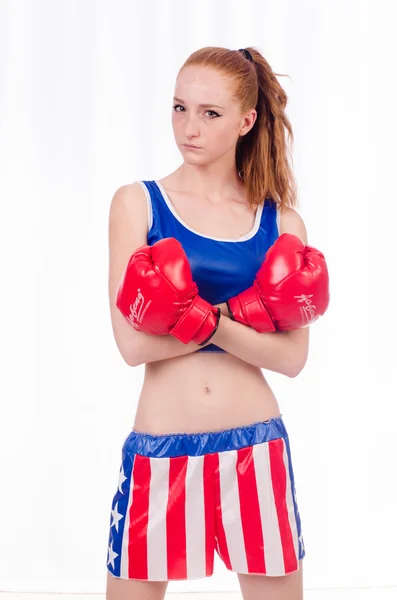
207,465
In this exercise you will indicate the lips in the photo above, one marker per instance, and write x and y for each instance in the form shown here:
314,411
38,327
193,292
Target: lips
191,146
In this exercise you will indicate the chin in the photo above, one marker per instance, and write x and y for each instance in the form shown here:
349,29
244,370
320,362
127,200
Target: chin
191,159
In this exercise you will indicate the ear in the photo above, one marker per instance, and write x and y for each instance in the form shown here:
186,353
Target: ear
248,122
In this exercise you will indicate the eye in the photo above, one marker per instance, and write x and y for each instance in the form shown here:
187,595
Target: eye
214,113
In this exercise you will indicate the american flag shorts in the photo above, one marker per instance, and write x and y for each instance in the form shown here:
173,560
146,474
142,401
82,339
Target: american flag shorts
182,496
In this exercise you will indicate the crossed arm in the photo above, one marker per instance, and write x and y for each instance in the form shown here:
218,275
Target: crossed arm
284,352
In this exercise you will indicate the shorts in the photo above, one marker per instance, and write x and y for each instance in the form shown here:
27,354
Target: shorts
182,496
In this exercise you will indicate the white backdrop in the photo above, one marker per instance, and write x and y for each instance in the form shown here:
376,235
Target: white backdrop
85,106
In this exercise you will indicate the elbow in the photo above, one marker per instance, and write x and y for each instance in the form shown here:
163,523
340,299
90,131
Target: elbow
298,351
131,356
293,373
294,369
129,362
138,352
139,355
134,360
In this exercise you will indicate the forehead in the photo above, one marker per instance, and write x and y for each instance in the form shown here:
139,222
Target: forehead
203,84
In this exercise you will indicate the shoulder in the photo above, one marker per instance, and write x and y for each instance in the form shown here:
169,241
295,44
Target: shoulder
128,207
129,200
127,195
292,222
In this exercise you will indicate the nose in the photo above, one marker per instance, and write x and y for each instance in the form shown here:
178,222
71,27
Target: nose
191,127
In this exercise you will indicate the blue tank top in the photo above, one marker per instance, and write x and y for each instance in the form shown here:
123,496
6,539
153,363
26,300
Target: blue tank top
220,267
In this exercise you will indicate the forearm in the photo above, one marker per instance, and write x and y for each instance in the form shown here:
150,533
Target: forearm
275,351
159,347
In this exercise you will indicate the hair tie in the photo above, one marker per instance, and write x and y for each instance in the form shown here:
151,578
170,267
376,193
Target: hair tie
246,54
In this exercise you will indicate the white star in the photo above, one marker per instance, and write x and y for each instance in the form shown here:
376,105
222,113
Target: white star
116,517
122,478
301,541
112,555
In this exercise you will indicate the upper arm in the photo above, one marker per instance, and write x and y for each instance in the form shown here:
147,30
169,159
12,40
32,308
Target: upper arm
292,222
128,228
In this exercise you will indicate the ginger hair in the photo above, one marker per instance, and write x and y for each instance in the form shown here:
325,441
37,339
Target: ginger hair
264,154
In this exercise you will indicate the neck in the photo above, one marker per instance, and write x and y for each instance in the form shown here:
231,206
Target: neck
210,181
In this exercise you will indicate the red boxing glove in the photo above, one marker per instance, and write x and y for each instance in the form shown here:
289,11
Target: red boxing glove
290,291
158,296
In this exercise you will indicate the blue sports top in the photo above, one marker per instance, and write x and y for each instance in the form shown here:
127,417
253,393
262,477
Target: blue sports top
221,267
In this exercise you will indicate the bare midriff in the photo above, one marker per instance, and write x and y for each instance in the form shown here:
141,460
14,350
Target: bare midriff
202,392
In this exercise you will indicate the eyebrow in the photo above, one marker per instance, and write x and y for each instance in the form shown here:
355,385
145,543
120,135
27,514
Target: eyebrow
201,105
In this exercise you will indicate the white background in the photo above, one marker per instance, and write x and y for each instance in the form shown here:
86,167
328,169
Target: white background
85,105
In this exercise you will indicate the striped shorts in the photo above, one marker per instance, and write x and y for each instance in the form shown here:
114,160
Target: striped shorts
182,496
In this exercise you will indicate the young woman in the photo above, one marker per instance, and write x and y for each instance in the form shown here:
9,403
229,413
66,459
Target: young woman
210,281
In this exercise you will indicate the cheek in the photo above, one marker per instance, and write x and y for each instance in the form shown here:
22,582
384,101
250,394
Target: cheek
225,135
174,120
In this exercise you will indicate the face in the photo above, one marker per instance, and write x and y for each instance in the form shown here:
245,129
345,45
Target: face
206,115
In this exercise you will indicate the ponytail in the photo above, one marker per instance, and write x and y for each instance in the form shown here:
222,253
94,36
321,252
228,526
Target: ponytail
263,155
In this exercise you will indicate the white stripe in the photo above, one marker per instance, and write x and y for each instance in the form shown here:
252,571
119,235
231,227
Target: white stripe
290,504
231,513
157,524
195,518
278,220
273,548
247,236
124,542
149,205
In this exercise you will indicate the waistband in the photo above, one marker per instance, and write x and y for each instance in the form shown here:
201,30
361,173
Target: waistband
204,442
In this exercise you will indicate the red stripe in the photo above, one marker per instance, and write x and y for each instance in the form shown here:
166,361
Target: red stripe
176,522
208,490
279,481
250,511
139,517
220,531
